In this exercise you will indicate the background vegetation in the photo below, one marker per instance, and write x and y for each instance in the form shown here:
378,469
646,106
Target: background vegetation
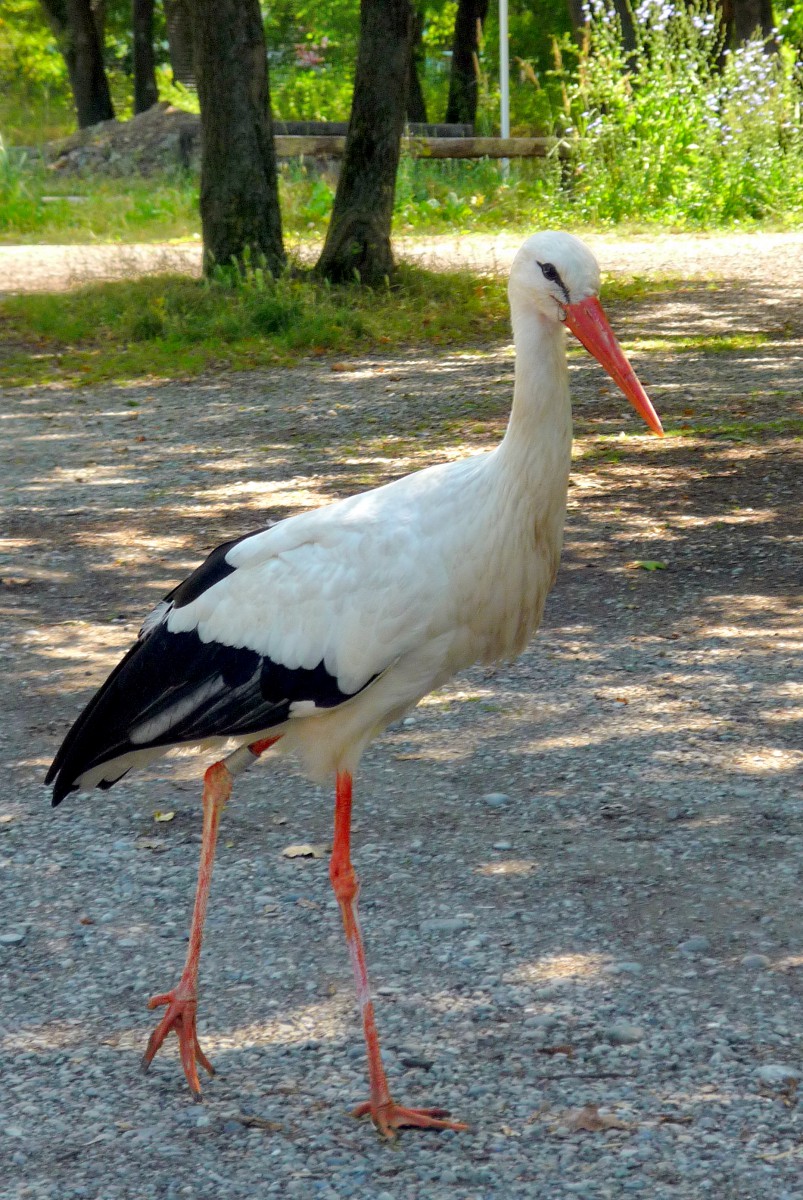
677,130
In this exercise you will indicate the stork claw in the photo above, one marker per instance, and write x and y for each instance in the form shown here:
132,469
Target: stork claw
181,1016
390,1117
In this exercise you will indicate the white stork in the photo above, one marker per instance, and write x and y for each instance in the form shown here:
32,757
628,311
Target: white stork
316,633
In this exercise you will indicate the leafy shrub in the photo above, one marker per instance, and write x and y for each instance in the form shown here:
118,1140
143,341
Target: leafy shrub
680,129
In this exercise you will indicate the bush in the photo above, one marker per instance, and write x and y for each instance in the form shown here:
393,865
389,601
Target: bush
679,129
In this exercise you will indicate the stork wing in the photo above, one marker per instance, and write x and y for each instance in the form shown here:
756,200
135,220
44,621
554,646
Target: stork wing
300,616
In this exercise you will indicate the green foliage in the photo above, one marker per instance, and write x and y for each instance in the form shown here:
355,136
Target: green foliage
38,206
243,318
679,131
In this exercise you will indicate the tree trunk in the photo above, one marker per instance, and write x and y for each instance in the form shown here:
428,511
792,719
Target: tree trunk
743,17
146,92
461,107
577,15
178,17
416,104
74,26
240,214
358,239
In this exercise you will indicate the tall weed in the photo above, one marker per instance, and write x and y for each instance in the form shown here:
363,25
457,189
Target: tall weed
680,129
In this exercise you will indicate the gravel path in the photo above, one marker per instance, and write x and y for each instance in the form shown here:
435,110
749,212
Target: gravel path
581,872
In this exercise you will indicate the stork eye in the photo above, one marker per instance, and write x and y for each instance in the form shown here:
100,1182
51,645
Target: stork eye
549,272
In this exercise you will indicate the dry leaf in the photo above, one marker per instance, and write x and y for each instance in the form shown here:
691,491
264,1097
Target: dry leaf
148,843
591,1120
163,816
254,1122
304,850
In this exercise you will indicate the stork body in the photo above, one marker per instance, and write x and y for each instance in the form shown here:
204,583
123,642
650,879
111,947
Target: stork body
314,634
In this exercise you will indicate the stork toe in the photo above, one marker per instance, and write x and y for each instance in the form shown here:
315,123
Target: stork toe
390,1117
181,1017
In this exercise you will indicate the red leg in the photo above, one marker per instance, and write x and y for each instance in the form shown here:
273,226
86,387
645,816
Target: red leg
385,1113
182,1000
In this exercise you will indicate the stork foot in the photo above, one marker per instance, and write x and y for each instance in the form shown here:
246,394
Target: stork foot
182,1006
391,1117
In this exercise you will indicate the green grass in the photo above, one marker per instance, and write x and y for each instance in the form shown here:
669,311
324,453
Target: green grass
705,343
169,326
174,326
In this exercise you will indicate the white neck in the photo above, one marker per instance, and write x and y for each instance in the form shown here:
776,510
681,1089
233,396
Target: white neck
539,433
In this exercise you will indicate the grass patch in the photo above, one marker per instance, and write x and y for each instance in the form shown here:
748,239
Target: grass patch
741,431
704,343
37,205
171,326
174,326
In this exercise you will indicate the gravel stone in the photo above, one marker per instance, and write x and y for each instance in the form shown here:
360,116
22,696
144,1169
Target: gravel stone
624,1034
496,799
756,962
698,944
777,1075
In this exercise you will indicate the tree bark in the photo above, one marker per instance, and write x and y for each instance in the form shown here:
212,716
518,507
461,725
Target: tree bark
178,17
74,26
461,107
624,12
743,17
416,104
358,239
146,91
240,214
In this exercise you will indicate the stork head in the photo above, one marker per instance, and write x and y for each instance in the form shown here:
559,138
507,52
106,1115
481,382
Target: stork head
556,275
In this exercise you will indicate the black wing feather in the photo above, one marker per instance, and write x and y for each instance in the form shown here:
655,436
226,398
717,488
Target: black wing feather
173,688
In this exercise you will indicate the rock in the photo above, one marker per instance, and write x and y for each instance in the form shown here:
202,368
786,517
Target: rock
622,968
14,937
697,944
496,799
444,924
622,1033
778,1075
756,962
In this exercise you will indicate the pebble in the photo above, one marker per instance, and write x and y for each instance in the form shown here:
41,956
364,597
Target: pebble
778,1075
697,944
444,924
756,962
622,1033
496,799
13,938
622,968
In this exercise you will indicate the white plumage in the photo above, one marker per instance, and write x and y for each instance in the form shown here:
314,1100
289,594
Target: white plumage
325,627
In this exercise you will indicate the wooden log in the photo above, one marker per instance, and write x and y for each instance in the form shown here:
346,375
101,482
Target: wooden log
481,147
424,147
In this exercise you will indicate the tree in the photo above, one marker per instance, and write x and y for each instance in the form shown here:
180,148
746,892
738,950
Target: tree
74,25
358,239
240,214
743,17
146,91
416,104
178,18
461,107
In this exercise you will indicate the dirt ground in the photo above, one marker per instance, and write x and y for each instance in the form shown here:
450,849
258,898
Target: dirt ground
647,748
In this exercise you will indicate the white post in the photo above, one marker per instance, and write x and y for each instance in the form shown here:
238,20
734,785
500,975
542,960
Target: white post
504,80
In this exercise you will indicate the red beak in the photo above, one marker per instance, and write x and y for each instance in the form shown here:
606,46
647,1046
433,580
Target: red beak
588,323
